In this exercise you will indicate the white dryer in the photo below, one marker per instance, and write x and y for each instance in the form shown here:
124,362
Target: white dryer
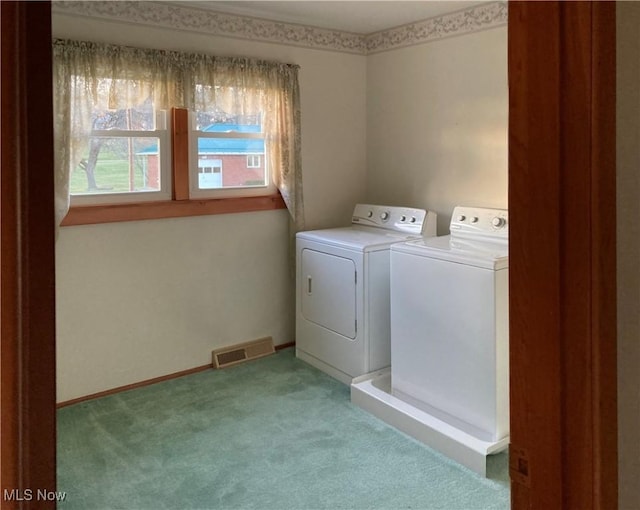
342,290
449,324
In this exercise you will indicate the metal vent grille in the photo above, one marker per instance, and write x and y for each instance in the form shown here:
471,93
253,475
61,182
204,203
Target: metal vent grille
239,353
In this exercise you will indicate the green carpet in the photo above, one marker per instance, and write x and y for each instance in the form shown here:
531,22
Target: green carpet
273,433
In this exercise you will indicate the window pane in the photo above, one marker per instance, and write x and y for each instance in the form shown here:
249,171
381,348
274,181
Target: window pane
231,163
140,117
118,165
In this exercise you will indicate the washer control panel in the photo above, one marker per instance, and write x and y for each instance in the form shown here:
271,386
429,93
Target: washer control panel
401,219
480,223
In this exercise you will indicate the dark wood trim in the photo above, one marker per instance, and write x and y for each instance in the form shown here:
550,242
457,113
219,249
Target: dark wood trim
27,268
180,153
534,301
94,214
603,257
575,285
562,254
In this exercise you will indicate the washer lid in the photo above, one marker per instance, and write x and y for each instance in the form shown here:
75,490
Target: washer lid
473,253
356,237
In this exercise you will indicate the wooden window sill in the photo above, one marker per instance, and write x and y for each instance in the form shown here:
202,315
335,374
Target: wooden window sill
111,213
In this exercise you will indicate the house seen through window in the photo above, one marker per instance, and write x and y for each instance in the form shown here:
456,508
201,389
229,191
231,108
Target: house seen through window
126,154
230,153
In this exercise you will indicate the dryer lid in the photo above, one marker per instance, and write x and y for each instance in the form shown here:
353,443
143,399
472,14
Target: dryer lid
356,237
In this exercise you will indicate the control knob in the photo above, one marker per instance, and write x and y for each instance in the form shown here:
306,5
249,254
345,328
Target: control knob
403,218
384,216
498,222
462,217
369,214
474,219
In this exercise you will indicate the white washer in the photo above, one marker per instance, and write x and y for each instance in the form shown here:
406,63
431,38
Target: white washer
342,290
449,324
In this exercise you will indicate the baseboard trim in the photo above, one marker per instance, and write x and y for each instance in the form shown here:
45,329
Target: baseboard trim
133,386
148,382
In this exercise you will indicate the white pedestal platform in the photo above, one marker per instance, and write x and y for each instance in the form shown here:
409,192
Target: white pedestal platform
372,392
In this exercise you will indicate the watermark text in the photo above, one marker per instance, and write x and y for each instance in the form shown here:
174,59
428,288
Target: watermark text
33,495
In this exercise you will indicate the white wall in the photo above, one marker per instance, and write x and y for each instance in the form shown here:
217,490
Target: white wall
139,300
628,237
437,124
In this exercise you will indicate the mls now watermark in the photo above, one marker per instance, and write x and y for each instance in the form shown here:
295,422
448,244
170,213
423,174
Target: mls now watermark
33,495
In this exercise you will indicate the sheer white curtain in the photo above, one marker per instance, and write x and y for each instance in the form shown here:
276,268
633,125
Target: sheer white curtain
242,86
90,78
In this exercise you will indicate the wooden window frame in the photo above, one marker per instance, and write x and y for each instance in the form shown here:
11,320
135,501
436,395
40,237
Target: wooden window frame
181,204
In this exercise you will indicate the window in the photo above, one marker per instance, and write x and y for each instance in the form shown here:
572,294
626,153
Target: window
232,141
116,145
126,159
253,161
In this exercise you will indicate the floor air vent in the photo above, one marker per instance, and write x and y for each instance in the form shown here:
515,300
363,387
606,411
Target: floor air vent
235,354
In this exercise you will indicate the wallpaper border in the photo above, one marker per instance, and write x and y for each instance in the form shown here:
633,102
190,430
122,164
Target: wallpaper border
474,19
189,18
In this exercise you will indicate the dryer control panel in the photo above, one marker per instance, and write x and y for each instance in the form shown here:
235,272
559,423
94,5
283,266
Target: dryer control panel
480,223
400,219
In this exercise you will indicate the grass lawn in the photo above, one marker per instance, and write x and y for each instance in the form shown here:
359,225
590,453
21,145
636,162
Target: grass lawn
111,172
111,176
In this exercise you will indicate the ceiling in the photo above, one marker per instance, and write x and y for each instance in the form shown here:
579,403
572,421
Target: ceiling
361,17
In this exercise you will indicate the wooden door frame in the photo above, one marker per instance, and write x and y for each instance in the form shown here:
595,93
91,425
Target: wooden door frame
27,269
562,265
562,254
